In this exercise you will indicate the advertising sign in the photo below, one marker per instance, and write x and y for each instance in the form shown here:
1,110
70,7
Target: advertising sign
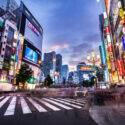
103,53
123,40
121,12
86,68
33,36
120,67
111,58
123,61
31,55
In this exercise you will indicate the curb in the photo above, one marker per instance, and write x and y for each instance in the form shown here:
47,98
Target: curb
97,117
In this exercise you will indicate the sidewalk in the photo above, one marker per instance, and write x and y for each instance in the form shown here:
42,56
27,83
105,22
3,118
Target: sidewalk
108,115
111,112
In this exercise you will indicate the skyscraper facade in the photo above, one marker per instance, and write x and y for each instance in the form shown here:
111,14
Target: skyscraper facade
85,72
59,66
49,64
65,71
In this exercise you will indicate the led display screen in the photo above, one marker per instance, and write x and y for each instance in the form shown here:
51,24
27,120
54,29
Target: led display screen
31,55
32,35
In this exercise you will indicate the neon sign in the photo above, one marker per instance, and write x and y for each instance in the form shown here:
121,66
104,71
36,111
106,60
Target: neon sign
123,40
103,53
111,57
86,68
33,28
120,67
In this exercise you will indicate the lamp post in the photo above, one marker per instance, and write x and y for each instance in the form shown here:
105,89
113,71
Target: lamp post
93,59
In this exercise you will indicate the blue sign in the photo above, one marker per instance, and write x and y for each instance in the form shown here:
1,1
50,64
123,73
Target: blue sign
103,53
31,55
123,40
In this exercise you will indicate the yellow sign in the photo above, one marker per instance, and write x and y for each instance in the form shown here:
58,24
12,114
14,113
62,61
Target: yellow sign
121,12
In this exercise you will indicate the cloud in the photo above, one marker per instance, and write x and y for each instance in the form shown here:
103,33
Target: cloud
58,47
70,27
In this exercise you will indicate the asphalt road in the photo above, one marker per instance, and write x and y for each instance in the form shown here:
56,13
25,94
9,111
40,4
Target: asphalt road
72,117
62,112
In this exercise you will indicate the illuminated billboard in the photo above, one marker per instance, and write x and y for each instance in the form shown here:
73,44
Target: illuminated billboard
31,55
32,35
86,68
29,27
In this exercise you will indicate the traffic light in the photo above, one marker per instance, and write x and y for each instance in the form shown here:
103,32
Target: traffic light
31,80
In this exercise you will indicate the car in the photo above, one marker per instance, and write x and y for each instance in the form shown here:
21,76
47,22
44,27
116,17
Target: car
81,92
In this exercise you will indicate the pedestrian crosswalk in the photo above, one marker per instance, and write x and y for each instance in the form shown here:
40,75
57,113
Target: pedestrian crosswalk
29,105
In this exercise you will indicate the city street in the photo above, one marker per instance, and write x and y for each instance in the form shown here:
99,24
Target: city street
36,111
62,62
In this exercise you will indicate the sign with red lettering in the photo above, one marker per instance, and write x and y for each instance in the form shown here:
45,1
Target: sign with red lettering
120,67
34,29
107,30
111,58
86,68
123,61
110,48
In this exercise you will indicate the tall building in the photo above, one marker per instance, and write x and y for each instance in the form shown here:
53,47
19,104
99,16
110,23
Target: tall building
29,42
7,45
21,41
70,78
8,5
65,71
75,77
113,28
85,72
49,64
59,67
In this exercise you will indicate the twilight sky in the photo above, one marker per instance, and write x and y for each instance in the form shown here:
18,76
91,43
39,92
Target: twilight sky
71,27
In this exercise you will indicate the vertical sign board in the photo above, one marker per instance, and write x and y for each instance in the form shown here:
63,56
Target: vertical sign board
123,62
106,74
111,58
103,53
120,67
106,4
17,55
123,40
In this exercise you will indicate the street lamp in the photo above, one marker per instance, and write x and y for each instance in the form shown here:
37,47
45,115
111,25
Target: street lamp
93,59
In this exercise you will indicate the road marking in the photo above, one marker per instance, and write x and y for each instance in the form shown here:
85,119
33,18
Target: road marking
48,105
56,103
81,101
73,101
1,97
37,106
25,108
11,109
4,101
76,106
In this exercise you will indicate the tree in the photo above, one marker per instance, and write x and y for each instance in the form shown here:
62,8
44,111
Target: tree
93,80
48,80
87,83
25,73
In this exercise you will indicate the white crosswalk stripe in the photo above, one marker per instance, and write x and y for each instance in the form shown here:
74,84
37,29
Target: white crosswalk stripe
4,101
1,97
11,109
80,101
73,105
58,104
54,108
67,100
25,108
26,104
37,106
